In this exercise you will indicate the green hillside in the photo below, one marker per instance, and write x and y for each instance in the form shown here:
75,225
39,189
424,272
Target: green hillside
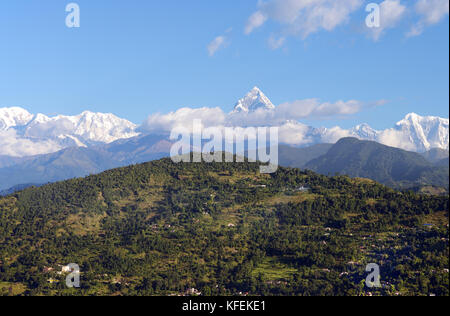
391,166
224,229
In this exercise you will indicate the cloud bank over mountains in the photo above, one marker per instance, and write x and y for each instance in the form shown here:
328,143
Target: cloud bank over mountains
413,133
255,109
23,134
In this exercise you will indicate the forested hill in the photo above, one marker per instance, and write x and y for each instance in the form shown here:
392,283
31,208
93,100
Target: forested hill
391,166
161,228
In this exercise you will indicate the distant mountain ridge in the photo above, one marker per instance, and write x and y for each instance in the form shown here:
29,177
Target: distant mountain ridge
18,188
436,155
390,166
77,162
299,157
24,134
85,127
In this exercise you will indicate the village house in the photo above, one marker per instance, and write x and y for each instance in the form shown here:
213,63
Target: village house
193,292
302,189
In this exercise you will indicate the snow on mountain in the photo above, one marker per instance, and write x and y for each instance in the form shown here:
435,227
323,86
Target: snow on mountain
85,127
14,116
414,132
254,100
425,132
23,134
364,131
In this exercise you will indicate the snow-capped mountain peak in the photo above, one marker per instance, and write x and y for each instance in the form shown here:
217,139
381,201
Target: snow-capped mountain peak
22,133
13,116
254,100
425,132
414,119
364,131
86,127
93,126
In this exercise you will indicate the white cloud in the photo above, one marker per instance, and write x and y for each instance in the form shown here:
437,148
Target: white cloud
285,116
293,133
286,112
431,12
256,20
396,138
313,108
303,17
164,123
218,43
332,135
296,110
13,145
297,134
391,13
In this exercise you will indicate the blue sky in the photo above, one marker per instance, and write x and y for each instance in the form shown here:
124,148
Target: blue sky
137,57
